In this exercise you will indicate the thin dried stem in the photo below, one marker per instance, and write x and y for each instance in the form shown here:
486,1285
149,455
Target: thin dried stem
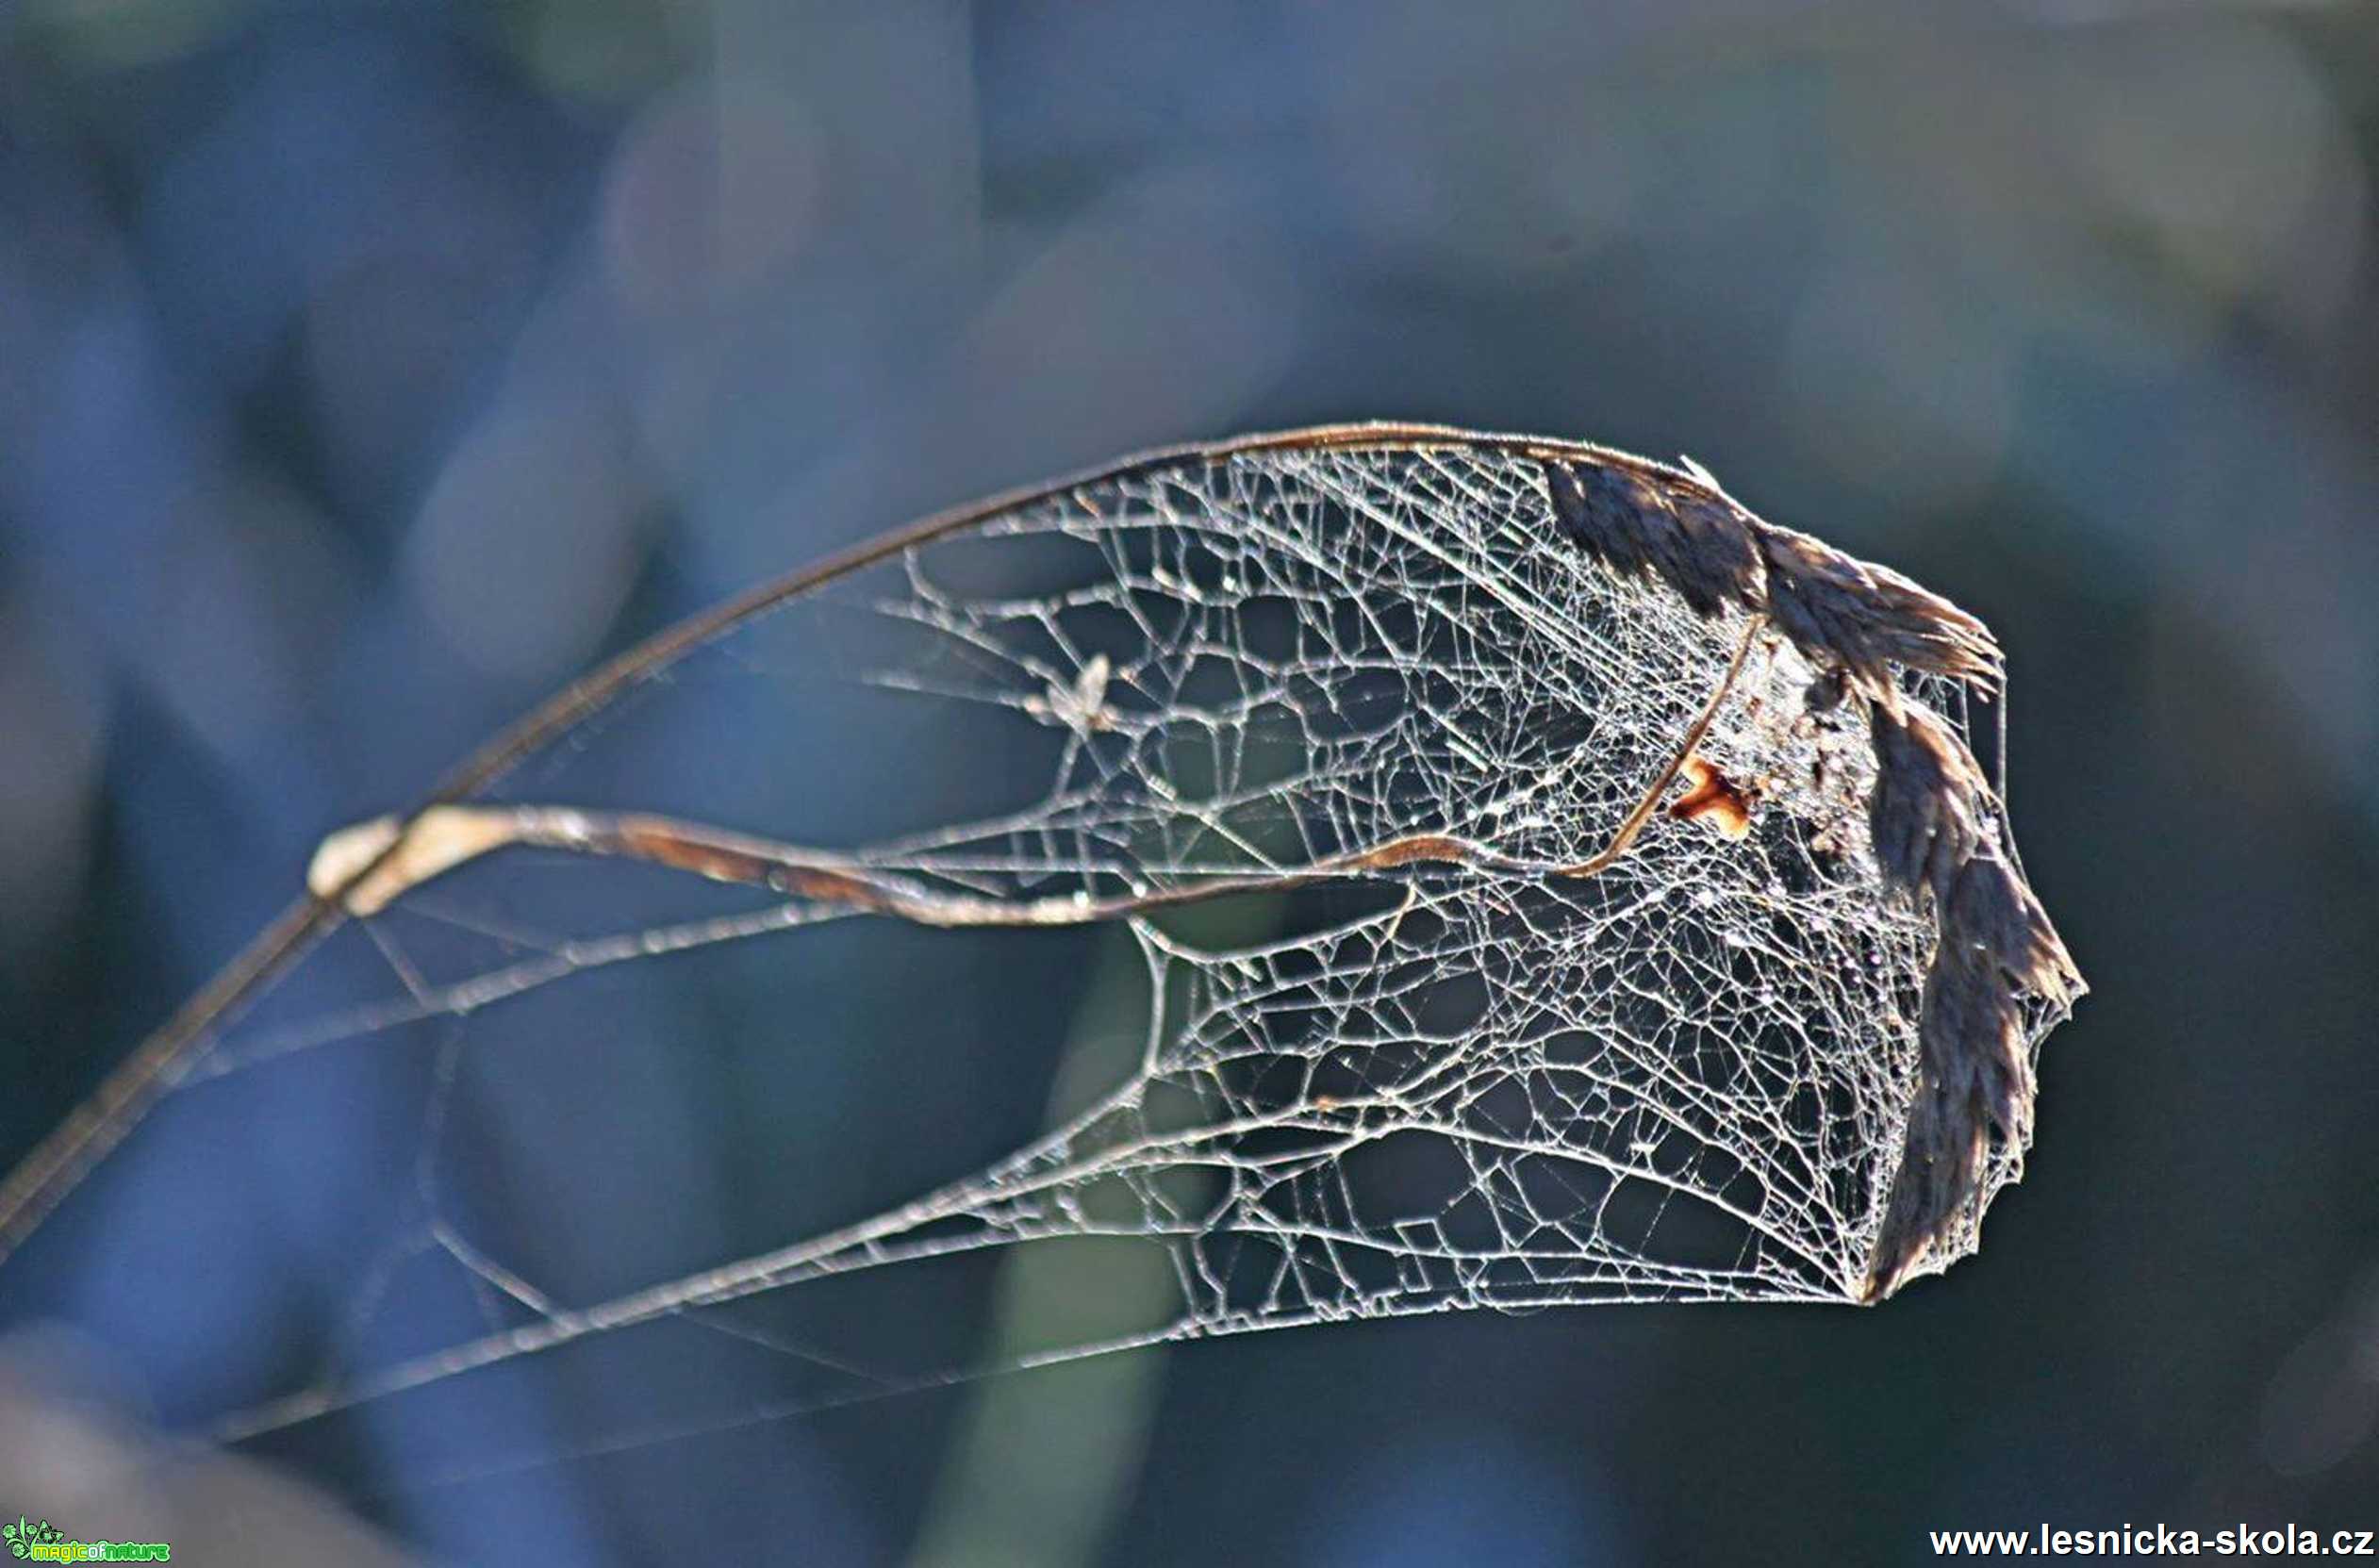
445,837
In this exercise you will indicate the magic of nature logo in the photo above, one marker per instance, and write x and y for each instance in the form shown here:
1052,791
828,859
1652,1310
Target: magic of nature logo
39,1540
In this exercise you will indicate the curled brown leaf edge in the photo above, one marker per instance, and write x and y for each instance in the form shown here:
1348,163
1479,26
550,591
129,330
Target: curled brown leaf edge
1934,818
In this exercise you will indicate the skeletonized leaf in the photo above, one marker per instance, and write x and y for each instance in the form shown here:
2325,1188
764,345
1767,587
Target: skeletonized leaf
1358,741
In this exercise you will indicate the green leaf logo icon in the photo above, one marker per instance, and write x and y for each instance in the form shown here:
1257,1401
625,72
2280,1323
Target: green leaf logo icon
22,1536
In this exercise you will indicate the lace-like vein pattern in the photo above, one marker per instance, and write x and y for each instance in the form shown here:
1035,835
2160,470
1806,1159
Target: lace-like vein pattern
1432,1086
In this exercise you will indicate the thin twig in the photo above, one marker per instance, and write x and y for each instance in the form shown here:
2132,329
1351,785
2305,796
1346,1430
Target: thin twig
445,837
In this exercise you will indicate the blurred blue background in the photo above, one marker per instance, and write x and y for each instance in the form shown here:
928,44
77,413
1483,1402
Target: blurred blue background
366,370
